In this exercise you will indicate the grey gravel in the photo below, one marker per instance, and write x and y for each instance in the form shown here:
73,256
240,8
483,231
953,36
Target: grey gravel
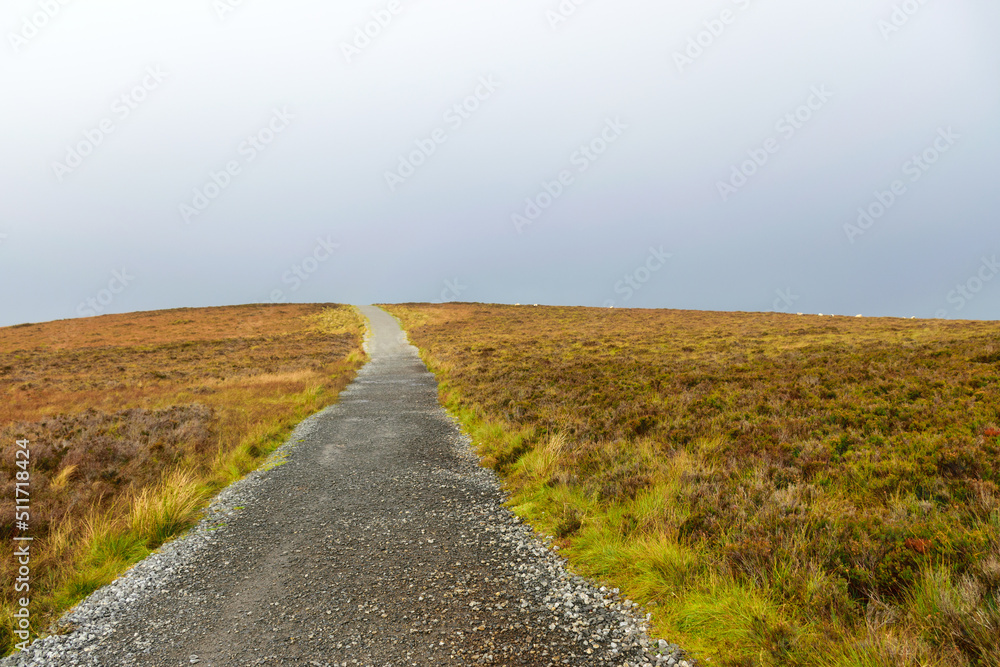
372,537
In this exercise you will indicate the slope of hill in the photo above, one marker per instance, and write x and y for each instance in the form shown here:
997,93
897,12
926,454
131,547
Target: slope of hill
779,489
134,421
379,541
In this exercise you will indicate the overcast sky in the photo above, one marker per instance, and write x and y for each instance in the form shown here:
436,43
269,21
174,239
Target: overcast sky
820,157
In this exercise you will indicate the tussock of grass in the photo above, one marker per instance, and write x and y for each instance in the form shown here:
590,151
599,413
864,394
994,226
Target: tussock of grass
63,477
781,490
135,421
156,514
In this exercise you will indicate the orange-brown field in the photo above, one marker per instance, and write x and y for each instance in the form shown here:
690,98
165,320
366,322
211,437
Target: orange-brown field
135,420
778,489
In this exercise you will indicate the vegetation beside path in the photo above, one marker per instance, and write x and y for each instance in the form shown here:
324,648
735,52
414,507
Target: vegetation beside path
135,421
777,489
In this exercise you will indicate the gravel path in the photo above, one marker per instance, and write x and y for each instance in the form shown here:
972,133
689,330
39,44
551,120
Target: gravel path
371,538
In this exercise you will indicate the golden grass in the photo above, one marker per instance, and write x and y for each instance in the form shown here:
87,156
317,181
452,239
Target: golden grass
779,489
135,421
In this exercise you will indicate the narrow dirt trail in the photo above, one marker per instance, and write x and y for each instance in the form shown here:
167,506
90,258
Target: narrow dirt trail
378,542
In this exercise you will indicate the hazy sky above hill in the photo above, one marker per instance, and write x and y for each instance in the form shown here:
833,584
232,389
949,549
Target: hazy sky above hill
823,157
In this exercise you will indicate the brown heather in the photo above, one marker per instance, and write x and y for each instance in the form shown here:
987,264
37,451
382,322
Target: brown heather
778,489
136,420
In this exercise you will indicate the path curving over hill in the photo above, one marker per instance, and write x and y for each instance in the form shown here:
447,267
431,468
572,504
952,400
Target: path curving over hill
378,541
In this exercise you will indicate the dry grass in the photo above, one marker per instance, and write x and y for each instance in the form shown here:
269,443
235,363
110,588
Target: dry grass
136,420
782,490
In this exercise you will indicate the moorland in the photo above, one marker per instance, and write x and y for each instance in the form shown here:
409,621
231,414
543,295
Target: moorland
135,421
775,489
